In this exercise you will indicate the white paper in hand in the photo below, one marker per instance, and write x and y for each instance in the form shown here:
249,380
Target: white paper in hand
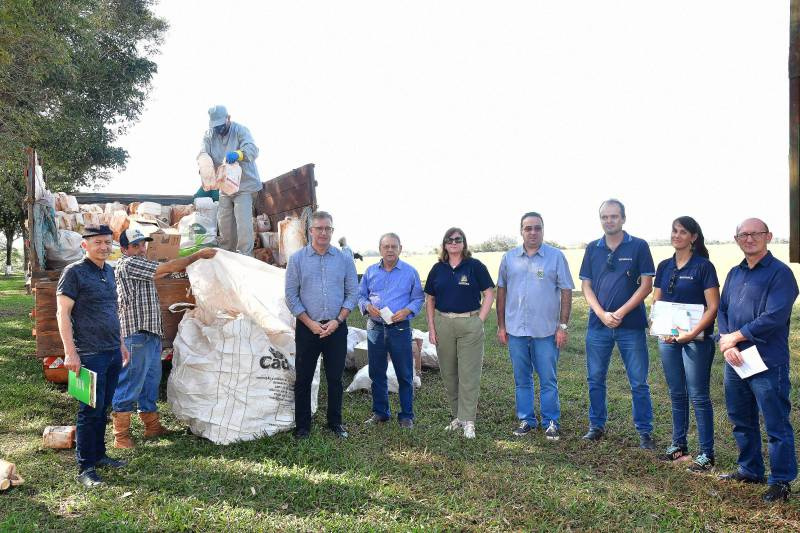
386,315
753,364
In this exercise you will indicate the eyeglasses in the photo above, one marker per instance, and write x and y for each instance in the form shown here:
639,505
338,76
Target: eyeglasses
322,229
454,240
610,264
672,279
753,234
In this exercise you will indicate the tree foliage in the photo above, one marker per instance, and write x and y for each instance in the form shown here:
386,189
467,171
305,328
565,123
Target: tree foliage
74,74
497,243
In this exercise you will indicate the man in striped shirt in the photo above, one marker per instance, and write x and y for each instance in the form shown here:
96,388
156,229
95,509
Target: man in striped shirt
140,325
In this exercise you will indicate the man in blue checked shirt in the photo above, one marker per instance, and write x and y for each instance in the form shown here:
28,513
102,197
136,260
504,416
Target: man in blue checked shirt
616,276
394,285
321,290
754,310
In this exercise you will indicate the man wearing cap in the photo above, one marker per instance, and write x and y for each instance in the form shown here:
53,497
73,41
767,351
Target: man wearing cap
86,312
140,321
229,142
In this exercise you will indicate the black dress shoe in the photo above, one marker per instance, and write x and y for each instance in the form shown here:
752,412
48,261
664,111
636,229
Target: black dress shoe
339,430
89,478
375,420
406,423
301,433
594,434
738,476
778,492
113,463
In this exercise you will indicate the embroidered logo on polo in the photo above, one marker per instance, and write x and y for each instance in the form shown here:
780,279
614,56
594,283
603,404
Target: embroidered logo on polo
686,277
463,280
625,258
540,273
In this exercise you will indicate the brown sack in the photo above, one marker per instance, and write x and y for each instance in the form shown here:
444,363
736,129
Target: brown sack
9,477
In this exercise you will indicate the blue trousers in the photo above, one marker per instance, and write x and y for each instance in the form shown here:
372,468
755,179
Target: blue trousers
768,393
632,344
540,354
90,445
396,340
687,369
139,381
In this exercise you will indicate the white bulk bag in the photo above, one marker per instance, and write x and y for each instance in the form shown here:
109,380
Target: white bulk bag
291,237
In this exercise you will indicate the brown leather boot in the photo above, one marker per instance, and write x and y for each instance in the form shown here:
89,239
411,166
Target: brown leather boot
122,430
152,425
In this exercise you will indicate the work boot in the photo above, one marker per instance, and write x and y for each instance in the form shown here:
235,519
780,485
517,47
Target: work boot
122,429
152,425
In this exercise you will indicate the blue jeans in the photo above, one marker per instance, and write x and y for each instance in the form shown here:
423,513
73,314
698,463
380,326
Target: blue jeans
394,339
90,444
541,354
632,344
687,369
139,381
767,392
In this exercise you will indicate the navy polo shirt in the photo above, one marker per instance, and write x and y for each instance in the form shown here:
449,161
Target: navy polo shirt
95,323
758,303
688,283
615,276
458,290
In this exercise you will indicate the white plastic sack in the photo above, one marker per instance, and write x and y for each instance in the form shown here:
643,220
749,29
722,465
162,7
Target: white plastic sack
354,337
208,177
67,250
229,383
152,209
428,353
219,385
362,381
197,228
228,177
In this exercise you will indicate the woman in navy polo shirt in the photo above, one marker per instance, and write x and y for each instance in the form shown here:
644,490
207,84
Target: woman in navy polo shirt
689,277
455,323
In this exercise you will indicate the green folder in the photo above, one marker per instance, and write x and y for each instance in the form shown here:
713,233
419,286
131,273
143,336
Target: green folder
83,387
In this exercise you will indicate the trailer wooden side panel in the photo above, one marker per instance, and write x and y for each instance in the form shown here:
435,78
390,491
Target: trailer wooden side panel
48,341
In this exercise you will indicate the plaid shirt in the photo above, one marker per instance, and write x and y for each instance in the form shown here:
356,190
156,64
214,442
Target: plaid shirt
139,308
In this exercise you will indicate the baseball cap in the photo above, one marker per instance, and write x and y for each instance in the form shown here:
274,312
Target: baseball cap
217,116
132,235
94,231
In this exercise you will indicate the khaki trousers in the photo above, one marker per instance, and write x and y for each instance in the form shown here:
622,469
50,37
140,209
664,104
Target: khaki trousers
460,351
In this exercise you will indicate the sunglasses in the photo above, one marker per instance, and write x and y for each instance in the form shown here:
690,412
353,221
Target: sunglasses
672,279
611,265
454,240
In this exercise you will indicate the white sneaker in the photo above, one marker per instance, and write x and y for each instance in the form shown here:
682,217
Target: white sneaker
469,430
454,425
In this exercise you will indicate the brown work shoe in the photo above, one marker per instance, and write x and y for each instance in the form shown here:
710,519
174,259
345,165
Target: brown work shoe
152,425
122,430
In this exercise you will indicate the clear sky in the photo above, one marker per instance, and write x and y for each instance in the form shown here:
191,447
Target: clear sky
421,115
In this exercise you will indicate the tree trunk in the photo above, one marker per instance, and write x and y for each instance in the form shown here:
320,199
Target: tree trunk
9,249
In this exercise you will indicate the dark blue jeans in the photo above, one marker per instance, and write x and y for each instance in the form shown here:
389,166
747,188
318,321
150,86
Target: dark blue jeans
687,369
394,339
90,445
139,381
767,392
632,344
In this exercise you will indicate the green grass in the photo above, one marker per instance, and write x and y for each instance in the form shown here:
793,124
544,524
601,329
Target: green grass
380,478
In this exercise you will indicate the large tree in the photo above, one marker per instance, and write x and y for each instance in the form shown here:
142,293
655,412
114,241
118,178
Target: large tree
74,74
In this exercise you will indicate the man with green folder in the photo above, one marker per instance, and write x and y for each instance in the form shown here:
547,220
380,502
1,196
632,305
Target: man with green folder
87,318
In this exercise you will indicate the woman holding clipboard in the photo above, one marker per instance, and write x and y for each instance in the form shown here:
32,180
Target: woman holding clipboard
689,277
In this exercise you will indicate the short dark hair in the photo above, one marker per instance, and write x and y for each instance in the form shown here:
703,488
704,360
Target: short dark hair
614,201
531,214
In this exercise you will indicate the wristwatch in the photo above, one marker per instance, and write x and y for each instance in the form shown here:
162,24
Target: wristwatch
563,327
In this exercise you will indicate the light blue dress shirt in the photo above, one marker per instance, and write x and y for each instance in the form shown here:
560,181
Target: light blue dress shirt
396,289
320,284
237,138
533,290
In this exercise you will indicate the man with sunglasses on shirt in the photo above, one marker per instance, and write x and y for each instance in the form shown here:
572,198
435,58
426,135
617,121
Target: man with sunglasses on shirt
616,276
230,142
754,311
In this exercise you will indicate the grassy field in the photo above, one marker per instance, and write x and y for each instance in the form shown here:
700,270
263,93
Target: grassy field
724,256
381,478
